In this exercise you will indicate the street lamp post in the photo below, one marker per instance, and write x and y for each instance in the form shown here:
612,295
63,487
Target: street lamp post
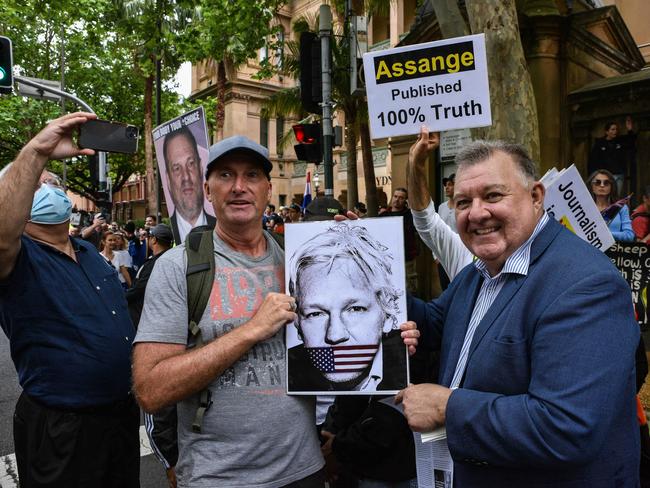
325,34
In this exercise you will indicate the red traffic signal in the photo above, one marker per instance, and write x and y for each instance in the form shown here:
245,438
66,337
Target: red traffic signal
307,133
309,147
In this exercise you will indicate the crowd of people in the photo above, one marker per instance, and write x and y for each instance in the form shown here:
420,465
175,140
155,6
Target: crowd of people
274,222
123,246
527,359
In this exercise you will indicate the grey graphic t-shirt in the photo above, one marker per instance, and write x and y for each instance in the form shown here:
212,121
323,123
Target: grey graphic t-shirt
254,435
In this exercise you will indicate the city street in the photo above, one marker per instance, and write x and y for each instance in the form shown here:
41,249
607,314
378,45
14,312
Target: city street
152,474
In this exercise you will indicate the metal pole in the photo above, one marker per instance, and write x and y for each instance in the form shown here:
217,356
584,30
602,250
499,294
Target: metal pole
159,53
56,91
325,31
158,98
351,26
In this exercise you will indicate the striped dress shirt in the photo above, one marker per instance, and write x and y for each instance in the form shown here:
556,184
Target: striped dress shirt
516,264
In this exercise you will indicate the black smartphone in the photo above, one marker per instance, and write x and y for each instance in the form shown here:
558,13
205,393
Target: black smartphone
106,136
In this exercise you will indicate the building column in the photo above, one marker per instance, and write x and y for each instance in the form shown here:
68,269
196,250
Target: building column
542,46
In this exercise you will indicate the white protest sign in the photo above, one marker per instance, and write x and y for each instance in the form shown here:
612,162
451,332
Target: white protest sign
451,142
569,202
443,84
184,141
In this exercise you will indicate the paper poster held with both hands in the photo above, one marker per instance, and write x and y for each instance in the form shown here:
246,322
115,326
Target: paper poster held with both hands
349,282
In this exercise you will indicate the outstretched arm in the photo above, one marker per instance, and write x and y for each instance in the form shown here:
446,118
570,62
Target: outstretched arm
19,182
436,234
164,370
419,196
98,223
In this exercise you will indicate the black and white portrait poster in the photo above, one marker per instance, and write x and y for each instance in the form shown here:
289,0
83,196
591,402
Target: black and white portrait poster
348,280
181,146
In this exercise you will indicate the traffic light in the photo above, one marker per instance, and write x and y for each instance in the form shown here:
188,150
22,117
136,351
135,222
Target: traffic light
93,166
6,66
311,87
309,147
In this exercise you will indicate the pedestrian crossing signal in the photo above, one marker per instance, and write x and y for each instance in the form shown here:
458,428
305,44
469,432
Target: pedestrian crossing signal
6,66
309,147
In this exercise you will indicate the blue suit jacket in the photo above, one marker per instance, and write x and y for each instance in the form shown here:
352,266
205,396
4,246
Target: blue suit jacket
548,393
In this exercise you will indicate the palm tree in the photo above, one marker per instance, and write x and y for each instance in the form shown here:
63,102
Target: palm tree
156,28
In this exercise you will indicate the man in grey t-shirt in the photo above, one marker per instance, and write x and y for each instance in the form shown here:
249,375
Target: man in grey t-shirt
253,435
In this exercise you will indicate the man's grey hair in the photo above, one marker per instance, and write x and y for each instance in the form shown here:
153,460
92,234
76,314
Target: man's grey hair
479,151
352,242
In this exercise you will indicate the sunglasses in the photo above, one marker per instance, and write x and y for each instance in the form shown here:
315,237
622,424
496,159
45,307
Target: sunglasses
52,181
597,182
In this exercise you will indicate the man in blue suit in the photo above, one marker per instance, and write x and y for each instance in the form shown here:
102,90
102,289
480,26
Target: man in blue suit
537,340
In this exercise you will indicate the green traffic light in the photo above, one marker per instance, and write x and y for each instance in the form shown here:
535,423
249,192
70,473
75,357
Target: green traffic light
3,73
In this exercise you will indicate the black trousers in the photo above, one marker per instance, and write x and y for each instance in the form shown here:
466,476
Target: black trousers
316,480
93,448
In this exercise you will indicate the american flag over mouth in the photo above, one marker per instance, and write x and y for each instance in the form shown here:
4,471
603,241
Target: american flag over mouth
342,359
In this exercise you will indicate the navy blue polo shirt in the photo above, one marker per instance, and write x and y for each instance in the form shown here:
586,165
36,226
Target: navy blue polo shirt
68,326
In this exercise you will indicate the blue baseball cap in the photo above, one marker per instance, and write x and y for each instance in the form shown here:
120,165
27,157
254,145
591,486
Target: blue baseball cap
240,144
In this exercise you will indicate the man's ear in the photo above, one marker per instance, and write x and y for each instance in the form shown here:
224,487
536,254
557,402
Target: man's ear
206,190
268,199
537,193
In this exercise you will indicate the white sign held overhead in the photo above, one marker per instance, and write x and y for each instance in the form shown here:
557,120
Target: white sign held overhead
443,84
451,142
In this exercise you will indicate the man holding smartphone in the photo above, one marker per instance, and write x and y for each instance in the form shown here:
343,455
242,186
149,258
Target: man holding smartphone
93,233
64,312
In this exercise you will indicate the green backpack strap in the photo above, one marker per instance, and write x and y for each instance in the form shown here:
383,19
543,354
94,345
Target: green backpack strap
279,238
200,277
199,247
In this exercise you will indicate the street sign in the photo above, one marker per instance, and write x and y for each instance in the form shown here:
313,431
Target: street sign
442,84
39,94
451,142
